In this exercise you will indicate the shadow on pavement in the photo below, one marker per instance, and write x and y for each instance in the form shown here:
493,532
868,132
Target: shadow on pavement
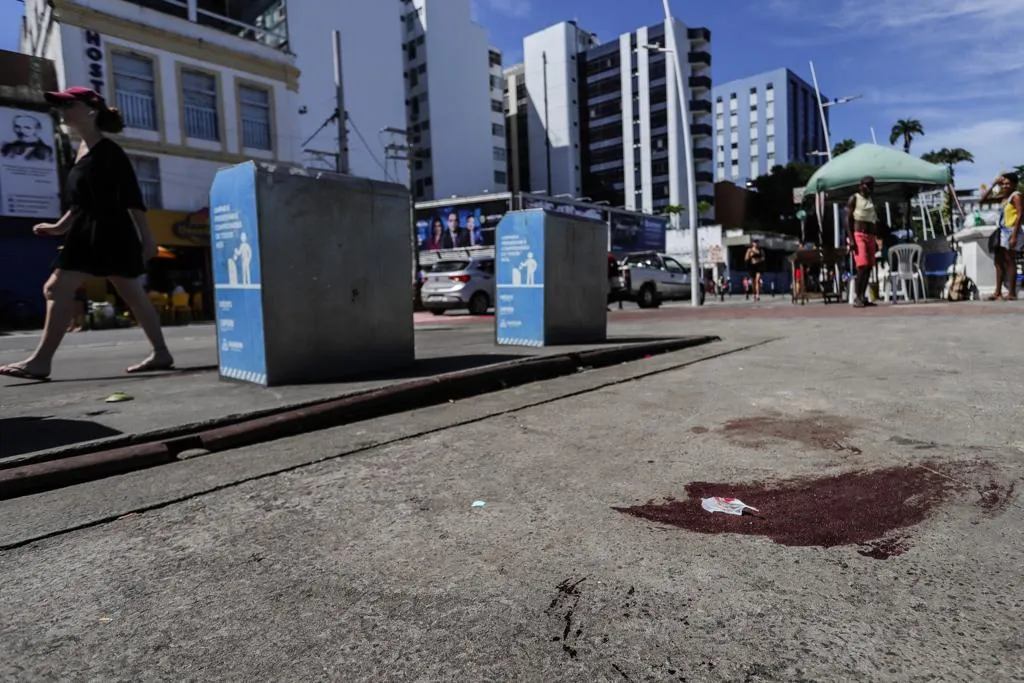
124,377
29,434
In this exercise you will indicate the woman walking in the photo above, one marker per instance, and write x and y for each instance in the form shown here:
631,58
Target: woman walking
863,221
105,234
1011,241
755,262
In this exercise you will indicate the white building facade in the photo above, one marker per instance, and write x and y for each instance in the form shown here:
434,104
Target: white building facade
198,91
551,69
455,113
372,62
605,121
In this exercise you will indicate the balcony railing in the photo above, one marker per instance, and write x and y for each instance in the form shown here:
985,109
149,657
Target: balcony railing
269,27
701,106
699,35
701,130
700,83
700,57
703,153
255,134
138,110
201,123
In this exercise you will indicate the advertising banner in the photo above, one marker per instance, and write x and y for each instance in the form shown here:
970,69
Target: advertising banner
636,232
29,182
236,274
459,226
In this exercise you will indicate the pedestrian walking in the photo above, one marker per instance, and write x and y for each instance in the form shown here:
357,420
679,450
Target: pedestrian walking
1009,242
755,263
105,234
863,221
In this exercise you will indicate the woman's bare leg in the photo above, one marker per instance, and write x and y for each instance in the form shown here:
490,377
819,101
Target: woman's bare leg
59,292
1010,272
1000,260
131,291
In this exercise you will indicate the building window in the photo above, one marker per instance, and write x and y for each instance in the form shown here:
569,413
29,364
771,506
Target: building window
499,154
496,83
497,130
414,79
753,91
147,170
135,90
500,177
498,106
199,94
254,109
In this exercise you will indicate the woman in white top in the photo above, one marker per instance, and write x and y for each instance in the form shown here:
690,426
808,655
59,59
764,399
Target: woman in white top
862,220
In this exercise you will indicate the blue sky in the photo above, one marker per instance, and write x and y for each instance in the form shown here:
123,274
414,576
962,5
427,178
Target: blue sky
948,64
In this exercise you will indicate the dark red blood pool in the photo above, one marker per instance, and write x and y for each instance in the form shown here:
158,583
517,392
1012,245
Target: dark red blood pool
856,508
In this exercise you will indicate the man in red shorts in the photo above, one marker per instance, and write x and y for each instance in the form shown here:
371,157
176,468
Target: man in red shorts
862,219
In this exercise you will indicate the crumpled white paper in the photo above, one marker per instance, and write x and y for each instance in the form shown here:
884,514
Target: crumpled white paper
730,506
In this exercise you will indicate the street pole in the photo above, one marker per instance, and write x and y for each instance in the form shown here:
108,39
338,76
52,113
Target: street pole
696,274
828,147
339,87
406,153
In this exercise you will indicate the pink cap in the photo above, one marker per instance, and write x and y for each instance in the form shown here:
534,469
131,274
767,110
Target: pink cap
76,93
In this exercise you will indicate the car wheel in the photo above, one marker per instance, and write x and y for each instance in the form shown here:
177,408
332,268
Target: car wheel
647,298
478,304
436,311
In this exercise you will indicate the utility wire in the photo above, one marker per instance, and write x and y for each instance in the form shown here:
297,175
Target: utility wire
369,150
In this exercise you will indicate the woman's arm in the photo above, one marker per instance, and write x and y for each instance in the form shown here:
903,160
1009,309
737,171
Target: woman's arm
987,197
62,225
145,236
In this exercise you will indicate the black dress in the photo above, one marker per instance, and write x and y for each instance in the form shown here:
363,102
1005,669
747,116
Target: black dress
103,240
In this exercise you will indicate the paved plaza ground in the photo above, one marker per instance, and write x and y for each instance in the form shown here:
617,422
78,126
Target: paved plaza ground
883,449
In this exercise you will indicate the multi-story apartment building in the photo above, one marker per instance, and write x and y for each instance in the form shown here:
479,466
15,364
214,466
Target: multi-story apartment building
197,89
455,112
604,120
516,139
374,97
764,121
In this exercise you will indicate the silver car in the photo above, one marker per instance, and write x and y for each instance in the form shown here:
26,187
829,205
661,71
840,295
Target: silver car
459,284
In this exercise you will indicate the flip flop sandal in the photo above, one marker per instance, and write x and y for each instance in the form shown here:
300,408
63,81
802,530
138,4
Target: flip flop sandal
21,373
149,366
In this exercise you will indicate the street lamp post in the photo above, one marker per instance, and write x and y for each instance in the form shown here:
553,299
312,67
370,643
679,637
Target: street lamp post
828,142
688,160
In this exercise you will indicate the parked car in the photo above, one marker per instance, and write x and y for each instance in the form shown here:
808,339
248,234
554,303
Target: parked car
459,284
651,278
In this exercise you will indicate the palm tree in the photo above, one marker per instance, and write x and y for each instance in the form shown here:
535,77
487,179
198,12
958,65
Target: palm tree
843,147
906,129
949,158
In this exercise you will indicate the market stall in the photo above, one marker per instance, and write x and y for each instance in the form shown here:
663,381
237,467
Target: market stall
898,178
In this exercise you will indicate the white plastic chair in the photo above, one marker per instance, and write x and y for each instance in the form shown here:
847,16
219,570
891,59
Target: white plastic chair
905,267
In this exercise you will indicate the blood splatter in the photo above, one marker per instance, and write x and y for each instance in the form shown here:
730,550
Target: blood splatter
855,508
813,430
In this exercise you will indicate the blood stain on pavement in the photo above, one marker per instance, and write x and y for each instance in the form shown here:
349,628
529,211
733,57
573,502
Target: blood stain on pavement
815,430
855,508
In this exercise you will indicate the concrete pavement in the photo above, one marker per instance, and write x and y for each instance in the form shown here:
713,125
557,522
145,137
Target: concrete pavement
71,410
355,553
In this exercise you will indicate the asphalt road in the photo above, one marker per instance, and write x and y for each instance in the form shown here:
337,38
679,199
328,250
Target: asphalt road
356,553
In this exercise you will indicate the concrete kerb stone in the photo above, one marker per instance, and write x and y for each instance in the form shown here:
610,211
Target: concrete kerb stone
105,461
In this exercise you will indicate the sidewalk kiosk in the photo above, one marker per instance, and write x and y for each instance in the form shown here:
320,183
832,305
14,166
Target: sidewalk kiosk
552,279
311,275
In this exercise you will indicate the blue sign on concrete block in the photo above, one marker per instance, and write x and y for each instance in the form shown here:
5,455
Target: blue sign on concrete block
519,255
234,228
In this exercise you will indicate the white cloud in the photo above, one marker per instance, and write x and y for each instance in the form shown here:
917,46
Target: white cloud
516,9
997,145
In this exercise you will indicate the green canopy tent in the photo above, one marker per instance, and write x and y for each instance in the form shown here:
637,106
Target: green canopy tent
898,176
